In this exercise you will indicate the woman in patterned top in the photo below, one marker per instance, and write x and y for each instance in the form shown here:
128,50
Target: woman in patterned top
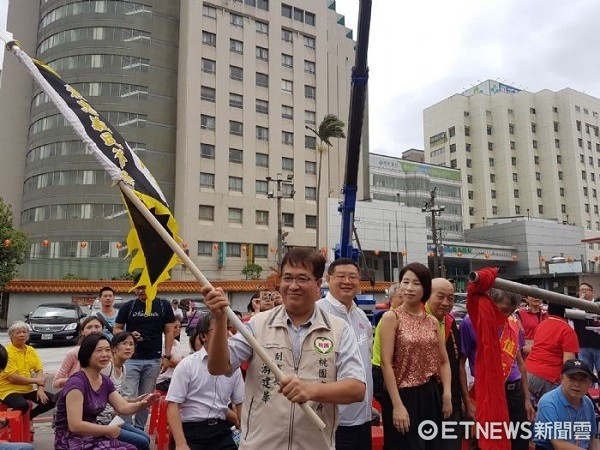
413,362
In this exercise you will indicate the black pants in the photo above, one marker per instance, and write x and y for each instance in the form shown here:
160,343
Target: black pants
212,434
515,400
422,403
20,403
357,437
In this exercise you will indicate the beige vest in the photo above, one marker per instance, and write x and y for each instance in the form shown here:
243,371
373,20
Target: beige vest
269,419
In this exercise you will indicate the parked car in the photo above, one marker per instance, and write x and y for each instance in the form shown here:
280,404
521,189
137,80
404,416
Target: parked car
459,310
54,322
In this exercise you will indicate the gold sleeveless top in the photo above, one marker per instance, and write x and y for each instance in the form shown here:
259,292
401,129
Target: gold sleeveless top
416,350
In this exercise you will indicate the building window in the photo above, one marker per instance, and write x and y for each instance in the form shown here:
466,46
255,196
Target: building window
235,184
236,128
310,117
204,248
262,160
533,127
494,210
539,193
286,10
262,79
287,60
236,73
287,112
309,18
516,193
310,142
532,110
310,167
469,163
236,156
287,35
451,131
560,175
311,222
287,86
467,147
236,21
557,143
207,151
207,122
471,195
562,192
262,27
515,177
310,67
490,146
585,191
556,127
262,133
541,209
512,145
287,138
310,193
287,163
470,179
583,175
236,46
580,142
262,106
207,180
489,130
534,143
513,161
209,66
538,176
236,100
262,4
453,163
492,177
206,212
261,187
262,53
471,211
536,160
563,209
262,218
491,162
309,42
511,128
517,209
209,38
288,219
234,249
578,125
310,91
467,131
207,93
493,193
209,11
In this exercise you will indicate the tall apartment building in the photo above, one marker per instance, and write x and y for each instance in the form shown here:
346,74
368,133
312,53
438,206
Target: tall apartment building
214,96
521,153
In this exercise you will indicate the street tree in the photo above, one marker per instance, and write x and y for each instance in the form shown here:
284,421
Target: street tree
330,127
13,245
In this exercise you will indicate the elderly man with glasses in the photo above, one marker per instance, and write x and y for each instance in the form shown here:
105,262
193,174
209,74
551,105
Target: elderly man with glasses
589,341
317,351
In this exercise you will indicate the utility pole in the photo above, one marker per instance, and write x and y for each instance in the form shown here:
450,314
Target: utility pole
278,194
429,207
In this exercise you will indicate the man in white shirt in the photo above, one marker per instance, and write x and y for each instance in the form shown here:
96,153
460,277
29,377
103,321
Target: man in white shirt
198,413
343,278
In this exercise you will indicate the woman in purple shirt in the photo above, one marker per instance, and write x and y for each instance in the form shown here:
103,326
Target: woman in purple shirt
85,395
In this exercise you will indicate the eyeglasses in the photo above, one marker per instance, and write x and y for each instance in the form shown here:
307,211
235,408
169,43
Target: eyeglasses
352,278
301,280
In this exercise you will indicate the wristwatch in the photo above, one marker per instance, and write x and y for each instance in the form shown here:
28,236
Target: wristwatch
167,357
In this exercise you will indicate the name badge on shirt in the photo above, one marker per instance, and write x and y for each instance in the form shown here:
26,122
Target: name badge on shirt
323,345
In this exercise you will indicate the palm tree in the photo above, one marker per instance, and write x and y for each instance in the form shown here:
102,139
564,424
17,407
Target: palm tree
330,127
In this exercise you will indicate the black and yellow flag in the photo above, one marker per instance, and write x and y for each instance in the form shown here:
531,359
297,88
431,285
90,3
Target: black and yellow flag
150,252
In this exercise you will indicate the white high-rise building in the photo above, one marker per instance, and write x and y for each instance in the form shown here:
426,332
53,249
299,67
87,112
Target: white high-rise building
521,153
214,96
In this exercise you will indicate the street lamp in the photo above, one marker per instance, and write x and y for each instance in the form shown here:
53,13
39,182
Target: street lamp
430,207
278,194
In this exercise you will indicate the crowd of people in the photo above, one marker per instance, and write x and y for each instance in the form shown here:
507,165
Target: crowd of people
416,362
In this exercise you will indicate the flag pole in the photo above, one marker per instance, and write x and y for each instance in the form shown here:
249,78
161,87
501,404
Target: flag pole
13,47
258,349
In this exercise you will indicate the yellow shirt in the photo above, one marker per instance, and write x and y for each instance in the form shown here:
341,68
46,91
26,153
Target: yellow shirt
442,322
20,362
376,359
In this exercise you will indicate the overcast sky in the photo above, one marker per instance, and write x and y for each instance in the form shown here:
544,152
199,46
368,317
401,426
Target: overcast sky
423,52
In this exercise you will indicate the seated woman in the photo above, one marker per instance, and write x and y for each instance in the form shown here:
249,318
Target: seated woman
70,364
122,346
85,395
23,370
177,354
3,421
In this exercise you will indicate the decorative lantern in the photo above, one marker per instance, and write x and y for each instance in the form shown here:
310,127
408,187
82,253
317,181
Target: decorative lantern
459,254
119,246
542,258
243,247
83,244
487,255
272,249
569,259
46,243
514,257
7,242
216,246
376,252
184,245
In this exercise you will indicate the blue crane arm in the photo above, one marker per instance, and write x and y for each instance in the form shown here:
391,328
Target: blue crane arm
360,75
